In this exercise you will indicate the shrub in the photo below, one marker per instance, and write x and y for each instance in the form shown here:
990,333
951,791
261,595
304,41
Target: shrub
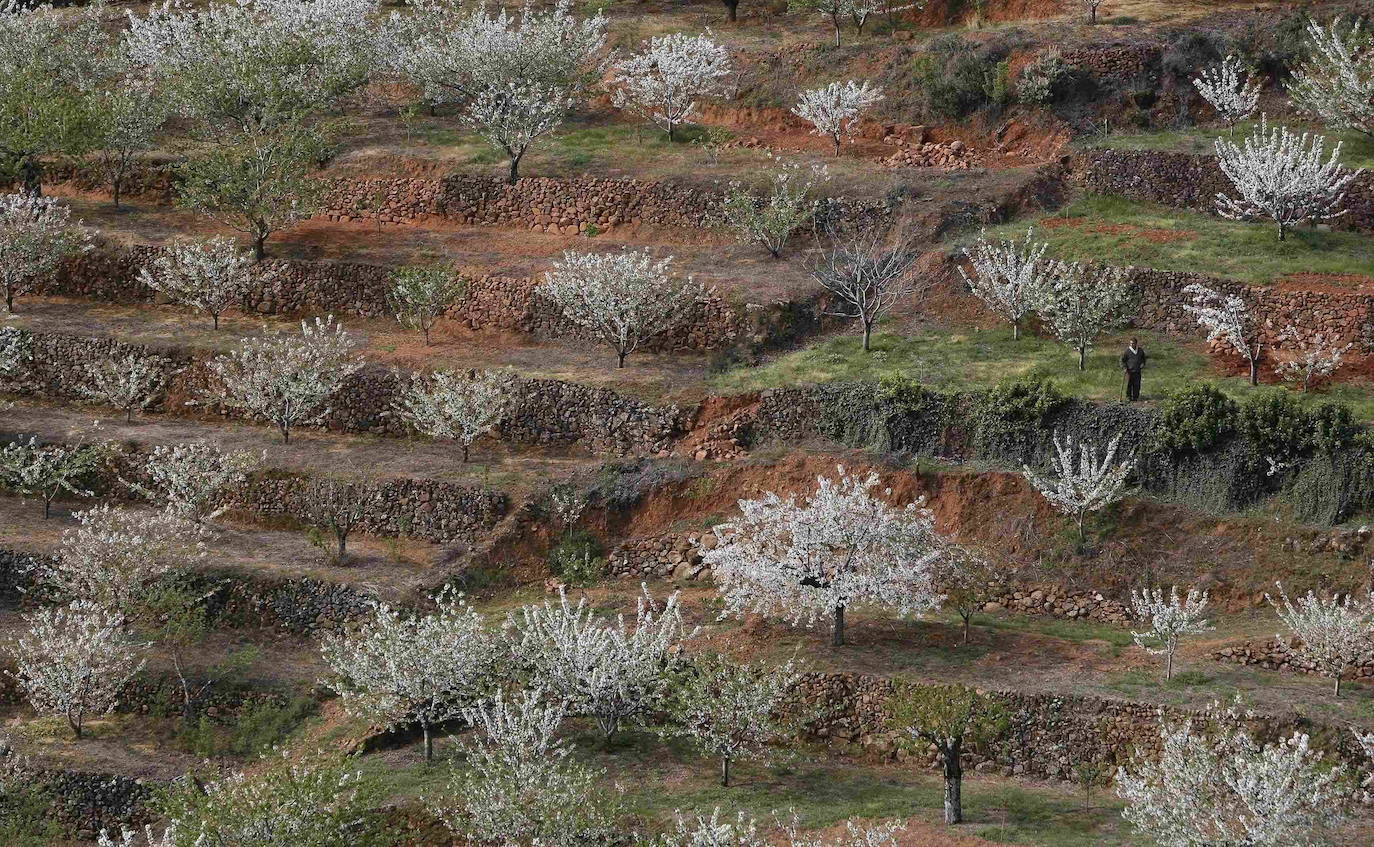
956,79
1195,419
1039,81
913,417
1333,428
1277,425
1190,51
1011,418
577,559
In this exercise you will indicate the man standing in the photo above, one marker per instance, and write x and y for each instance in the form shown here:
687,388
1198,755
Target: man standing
1133,362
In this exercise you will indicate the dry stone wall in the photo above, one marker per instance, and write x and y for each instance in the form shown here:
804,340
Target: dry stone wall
1273,654
539,411
1190,181
292,287
1046,735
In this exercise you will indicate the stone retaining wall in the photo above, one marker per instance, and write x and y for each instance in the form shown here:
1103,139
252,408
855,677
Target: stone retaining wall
1047,736
299,288
1190,181
540,411
1272,654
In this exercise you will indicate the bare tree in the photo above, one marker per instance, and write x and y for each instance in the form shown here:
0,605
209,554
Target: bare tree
338,506
867,278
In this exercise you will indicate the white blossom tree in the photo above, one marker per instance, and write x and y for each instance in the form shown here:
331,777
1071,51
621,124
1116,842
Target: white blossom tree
75,661
1170,619
833,110
838,11
287,380
607,670
1214,784
662,82
49,470
1230,89
514,78
732,711
420,295
311,799
455,407
1230,319
130,114
1282,176
399,669
623,299
1332,633
1008,276
715,830
1080,302
36,235
866,277
522,785
190,479
770,218
1085,477
1335,82
840,547
114,554
210,275
128,382
1315,358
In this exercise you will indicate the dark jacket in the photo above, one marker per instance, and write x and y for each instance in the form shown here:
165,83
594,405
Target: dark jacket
1133,360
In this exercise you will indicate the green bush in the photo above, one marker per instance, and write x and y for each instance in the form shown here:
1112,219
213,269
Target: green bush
255,729
1333,427
1195,419
1040,80
1275,422
26,817
913,417
956,79
577,559
1012,418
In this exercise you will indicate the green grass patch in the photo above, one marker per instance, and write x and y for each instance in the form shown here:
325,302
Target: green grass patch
1357,149
1069,630
945,359
1118,231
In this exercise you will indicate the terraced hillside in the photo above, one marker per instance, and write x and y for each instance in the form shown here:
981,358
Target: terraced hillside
686,423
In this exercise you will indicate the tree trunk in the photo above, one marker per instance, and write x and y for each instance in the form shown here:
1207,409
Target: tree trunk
620,358
33,177
114,191
259,250
731,10
466,448
1015,330
837,628
1092,15
837,145
285,430
1336,692
1168,665
1254,371
9,299
514,170
837,35
215,318
47,507
1081,515
967,619
129,415
868,335
954,775
1082,358
1283,232
75,724
725,771
671,127
429,741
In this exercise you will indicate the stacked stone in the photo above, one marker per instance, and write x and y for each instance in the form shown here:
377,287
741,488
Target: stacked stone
1057,602
1119,62
953,156
663,557
1272,654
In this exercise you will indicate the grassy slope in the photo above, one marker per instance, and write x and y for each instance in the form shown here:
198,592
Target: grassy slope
1357,150
958,360
1126,232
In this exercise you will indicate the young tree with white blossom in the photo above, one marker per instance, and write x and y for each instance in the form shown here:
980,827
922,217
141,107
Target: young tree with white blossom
1170,619
623,299
1335,81
287,800
732,711
75,661
1212,784
770,218
514,78
1315,358
420,295
455,407
190,480
285,379
1230,319
115,554
397,669
1230,89
833,110
840,547
1091,7
1332,633
129,382
662,82
1282,176
209,276
1008,276
866,277
522,786
607,670
129,115
1080,302
49,470
1085,477
743,831
36,235
968,580
946,717
837,12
